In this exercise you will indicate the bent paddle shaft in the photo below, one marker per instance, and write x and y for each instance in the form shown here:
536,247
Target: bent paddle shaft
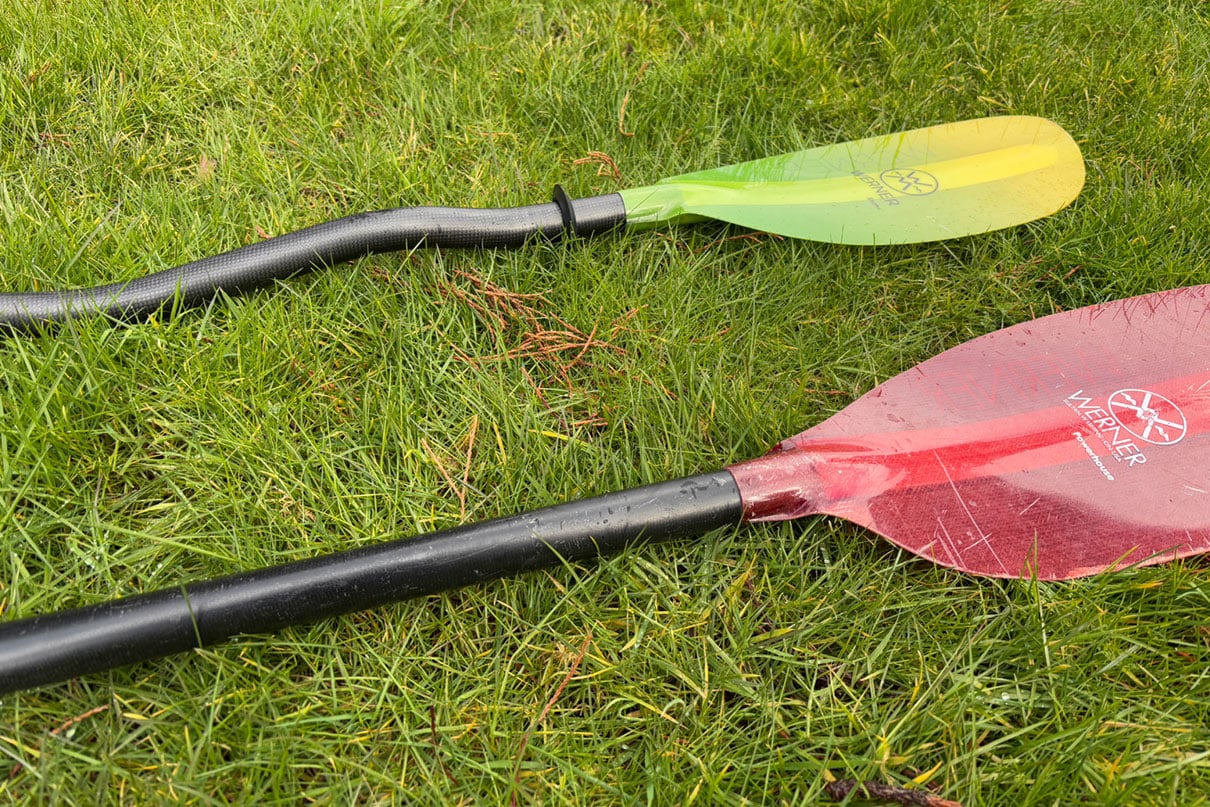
1061,447
923,185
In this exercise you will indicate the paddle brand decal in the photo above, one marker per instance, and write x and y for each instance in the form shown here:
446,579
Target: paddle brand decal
889,185
1149,416
910,182
1123,423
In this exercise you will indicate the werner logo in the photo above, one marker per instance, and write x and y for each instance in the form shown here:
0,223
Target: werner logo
1149,416
896,182
910,182
1128,419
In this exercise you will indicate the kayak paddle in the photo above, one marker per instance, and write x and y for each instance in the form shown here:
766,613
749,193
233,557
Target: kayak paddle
927,184
1061,447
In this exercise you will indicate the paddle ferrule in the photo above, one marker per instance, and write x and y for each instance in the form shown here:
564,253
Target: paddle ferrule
782,484
590,215
44,649
656,206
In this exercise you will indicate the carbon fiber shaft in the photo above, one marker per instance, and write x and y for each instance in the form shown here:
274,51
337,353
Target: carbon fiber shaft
54,647
260,264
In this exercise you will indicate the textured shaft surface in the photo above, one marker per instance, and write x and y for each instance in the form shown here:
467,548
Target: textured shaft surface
44,649
257,265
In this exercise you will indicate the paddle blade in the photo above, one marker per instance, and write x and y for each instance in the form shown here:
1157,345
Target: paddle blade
1057,448
927,184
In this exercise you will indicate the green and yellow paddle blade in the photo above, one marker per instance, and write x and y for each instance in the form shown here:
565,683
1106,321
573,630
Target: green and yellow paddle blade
927,184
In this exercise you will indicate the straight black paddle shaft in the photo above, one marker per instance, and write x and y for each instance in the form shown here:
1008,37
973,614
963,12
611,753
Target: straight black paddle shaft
45,649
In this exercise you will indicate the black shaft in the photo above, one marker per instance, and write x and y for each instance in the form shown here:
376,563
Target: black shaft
257,265
45,649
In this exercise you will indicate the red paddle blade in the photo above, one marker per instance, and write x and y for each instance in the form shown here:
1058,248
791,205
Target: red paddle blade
1053,449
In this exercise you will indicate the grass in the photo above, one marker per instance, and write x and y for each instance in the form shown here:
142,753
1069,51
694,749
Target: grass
753,666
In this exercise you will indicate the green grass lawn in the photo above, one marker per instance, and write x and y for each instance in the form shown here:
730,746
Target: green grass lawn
383,398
